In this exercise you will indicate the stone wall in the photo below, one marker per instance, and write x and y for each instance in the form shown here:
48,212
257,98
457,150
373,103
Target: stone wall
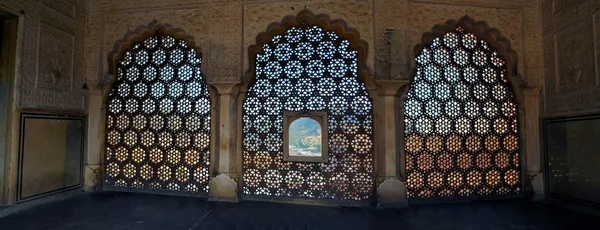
571,39
48,75
51,54
225,30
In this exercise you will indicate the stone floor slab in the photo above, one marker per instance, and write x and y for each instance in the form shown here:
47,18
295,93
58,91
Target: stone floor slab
108,210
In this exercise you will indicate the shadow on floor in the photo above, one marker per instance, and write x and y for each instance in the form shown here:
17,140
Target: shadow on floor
142,211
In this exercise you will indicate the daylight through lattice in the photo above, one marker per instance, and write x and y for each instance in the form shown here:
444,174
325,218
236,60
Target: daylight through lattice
158,119
308,69
461,132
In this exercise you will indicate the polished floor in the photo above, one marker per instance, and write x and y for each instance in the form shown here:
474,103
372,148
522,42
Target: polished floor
142,211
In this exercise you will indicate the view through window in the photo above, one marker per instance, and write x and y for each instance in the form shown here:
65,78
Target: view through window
305,137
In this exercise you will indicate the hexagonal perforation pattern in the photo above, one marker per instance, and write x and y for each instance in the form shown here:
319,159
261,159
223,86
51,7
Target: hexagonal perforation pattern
461,136
158,119
308,69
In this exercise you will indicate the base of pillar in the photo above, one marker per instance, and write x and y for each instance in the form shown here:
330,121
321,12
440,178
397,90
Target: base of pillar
392,194
222,188
89,188
92,178
537,182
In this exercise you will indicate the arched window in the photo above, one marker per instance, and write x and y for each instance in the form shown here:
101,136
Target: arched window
158,119
308,68
462,139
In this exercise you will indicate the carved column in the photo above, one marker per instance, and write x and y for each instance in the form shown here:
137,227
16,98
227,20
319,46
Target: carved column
392,189
223,187
532,141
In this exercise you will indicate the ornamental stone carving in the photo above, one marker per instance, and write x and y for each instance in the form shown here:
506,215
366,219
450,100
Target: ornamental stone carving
571,41
55,59
225,25
52,39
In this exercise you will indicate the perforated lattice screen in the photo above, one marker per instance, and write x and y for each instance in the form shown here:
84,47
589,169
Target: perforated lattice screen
308,69
158,119
461,122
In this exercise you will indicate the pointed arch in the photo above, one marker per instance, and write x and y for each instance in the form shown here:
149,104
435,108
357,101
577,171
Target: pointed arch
492,36
142,32
308,63
340,27
158,114
462,132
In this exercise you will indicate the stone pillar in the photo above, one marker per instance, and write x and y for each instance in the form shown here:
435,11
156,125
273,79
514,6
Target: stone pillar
9,116
222,186
96,111
532,142
392,189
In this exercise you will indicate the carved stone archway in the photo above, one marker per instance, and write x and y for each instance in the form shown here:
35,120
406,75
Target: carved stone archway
482,31
350,36
324,21
518,85
171,119
142,32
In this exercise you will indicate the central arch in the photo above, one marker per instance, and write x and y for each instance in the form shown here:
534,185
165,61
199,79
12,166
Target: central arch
308,63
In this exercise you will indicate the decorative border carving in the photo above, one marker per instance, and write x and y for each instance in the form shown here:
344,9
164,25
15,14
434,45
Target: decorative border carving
142,32
490,35
327,24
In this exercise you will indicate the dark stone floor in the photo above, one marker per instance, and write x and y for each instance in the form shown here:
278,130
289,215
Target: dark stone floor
142,211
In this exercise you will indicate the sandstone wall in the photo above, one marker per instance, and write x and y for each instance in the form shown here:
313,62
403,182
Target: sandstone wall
225,29
571,41
52,41
48,77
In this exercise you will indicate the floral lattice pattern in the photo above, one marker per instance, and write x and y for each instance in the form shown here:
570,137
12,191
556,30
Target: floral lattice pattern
158,119
462,139
308,69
